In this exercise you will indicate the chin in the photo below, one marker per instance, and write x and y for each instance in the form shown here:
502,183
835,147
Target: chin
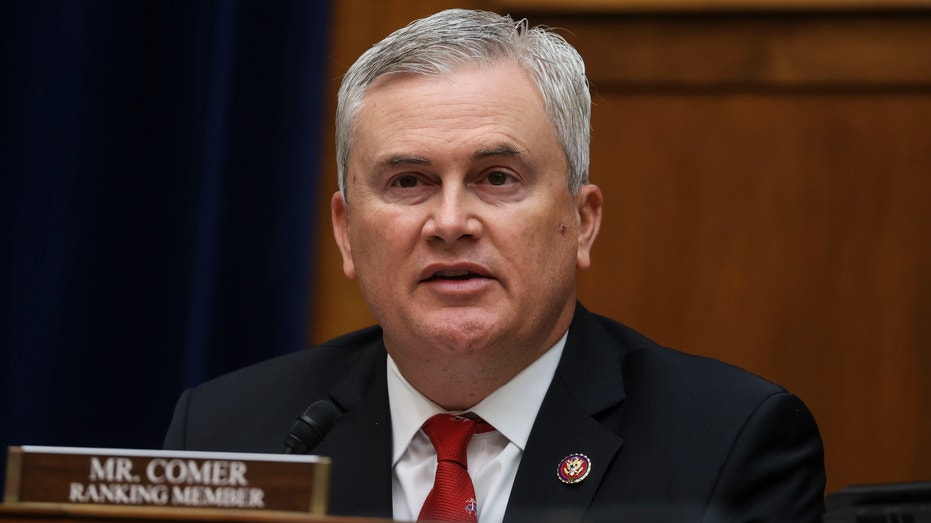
459,334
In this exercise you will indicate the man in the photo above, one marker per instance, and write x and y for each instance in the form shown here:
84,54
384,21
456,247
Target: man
464,213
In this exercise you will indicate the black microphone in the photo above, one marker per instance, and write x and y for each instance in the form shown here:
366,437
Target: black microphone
310,428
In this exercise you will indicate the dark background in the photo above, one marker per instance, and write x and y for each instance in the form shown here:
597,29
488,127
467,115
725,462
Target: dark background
159,166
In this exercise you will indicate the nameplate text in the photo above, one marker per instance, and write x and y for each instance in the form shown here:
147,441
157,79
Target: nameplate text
167,478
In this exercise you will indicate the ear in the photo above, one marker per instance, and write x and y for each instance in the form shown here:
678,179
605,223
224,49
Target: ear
339,214
588,203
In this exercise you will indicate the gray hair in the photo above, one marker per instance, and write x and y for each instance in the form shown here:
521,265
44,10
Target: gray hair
436,45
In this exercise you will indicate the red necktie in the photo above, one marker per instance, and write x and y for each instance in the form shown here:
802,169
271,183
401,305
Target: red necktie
452,497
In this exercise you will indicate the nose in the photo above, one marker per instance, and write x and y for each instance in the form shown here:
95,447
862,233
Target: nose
452,217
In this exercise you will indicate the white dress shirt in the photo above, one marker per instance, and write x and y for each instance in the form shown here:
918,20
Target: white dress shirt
493,456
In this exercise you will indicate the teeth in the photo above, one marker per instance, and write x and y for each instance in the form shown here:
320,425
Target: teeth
452,274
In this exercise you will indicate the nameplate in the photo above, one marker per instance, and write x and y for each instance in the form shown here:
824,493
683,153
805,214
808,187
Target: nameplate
160,478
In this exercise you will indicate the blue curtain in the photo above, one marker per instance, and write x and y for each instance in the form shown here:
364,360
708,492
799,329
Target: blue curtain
158,162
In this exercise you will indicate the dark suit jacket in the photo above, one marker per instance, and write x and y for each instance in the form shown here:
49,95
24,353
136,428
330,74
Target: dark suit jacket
671,437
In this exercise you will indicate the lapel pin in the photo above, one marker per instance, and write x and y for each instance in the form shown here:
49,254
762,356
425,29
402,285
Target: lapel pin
573,468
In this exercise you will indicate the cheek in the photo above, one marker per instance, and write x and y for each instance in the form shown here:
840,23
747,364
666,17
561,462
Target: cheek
381,237
547,245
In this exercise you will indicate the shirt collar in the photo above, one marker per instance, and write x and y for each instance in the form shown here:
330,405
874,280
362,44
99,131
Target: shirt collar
511,409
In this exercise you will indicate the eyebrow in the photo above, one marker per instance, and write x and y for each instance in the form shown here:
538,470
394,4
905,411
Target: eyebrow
500,150
407,159
404,159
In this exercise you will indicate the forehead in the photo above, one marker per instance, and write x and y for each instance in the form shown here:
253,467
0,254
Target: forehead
464,75
472,106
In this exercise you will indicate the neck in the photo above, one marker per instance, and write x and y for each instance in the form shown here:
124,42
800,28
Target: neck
454,390
458,383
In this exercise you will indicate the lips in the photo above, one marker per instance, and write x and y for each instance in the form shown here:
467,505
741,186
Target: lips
453,275
460,285
458,272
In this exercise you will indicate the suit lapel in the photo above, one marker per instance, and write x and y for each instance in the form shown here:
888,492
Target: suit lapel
587,383
360,442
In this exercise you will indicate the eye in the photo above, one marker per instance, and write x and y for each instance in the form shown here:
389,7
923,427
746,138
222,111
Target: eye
407,181
498,178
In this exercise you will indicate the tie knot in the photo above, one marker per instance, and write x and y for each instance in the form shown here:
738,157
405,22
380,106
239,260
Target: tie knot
450,435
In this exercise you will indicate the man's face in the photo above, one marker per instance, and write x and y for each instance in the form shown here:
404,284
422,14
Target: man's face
459,225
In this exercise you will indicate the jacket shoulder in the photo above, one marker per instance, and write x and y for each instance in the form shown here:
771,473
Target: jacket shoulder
251,409
646,363
305,370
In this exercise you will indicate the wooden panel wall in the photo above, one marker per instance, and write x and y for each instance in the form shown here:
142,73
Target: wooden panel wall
767,175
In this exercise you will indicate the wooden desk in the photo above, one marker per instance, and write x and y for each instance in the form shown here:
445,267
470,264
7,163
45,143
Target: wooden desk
74,513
